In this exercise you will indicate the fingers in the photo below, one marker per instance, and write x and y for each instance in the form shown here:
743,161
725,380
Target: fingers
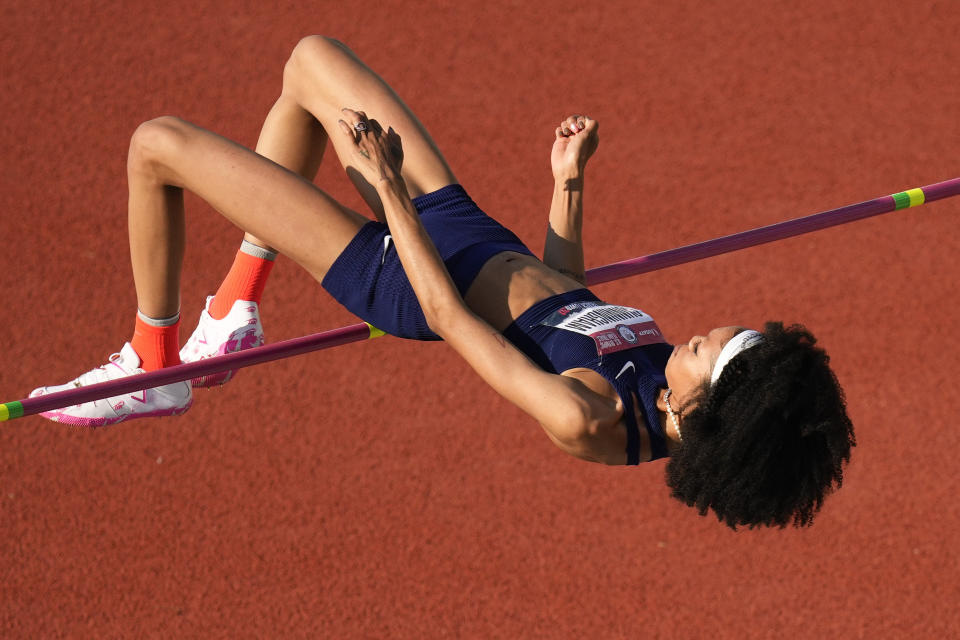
571,125
395,144
360,123
574,124
353,117
359,127
371,140
346,129
349,126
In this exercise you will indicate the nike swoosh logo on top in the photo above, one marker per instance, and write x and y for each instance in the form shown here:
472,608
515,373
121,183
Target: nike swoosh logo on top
629,365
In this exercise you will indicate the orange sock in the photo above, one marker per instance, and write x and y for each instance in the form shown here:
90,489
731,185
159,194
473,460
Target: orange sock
245,281
158,347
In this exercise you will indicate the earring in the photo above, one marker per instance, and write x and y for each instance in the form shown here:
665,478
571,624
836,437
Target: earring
673,416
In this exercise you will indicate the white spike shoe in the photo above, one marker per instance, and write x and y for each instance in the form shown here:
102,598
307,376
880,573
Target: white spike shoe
168,400
240,329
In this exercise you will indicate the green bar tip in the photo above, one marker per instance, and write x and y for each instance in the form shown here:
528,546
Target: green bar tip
10,411
902,200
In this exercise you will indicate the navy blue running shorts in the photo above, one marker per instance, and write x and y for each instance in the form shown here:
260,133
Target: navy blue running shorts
368,279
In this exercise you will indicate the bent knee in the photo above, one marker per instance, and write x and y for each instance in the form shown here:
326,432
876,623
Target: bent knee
313,53
317,47
156,140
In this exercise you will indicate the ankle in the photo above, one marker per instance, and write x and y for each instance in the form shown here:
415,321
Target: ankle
245,280
157,341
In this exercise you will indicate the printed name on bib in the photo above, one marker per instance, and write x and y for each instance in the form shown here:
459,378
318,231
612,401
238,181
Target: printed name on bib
613,328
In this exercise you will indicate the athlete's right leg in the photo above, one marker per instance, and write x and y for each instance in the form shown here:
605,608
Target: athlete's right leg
230,320
293,138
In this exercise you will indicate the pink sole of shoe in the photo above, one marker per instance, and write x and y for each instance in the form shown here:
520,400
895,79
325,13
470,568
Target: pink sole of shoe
215,380
63,418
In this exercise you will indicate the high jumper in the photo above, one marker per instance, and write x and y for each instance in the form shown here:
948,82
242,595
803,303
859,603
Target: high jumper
753,422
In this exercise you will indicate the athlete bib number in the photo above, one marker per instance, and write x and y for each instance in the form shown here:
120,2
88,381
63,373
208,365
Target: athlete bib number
612,328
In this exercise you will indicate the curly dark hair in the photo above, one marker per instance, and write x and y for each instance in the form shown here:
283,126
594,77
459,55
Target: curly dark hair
767,442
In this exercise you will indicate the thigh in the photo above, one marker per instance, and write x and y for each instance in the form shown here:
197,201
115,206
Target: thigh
325,76
259,196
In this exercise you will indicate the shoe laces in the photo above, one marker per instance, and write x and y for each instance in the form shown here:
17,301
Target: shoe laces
100,374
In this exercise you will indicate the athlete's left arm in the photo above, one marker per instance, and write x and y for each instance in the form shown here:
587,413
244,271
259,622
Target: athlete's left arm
576,140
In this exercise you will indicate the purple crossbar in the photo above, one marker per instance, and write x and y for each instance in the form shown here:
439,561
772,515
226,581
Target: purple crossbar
762,235
238,360
358,332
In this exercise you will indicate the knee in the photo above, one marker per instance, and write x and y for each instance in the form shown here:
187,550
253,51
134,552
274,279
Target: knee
313,49
312,54
155,141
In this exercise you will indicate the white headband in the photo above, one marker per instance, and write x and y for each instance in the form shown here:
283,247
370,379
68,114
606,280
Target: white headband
737,344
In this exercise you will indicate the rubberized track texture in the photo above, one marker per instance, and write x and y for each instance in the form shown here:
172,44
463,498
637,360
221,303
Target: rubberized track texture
379,490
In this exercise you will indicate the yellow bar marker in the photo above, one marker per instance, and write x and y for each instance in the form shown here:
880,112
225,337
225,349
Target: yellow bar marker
916,197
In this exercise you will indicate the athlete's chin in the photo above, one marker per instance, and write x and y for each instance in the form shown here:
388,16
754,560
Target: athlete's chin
668,370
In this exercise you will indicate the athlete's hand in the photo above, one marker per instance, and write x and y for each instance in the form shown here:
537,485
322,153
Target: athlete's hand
377,154
576,140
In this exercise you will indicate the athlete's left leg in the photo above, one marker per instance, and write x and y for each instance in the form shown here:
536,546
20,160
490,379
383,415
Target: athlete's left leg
169,155
289,213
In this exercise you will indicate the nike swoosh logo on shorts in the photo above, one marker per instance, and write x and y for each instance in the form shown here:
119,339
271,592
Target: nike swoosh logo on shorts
386,245
629,365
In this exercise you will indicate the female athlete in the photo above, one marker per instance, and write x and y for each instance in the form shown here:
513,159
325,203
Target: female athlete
754,423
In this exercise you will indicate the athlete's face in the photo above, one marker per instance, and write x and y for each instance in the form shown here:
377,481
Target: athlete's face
692,363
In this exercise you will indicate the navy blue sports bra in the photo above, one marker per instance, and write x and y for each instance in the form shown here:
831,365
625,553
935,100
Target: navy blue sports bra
575,329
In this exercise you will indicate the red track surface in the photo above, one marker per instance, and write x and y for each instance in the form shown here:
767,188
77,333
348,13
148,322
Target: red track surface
378,490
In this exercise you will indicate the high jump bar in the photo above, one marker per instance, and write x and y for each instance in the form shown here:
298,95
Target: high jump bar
363,331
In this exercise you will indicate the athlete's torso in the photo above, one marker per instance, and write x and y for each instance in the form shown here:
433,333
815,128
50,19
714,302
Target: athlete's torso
510,283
